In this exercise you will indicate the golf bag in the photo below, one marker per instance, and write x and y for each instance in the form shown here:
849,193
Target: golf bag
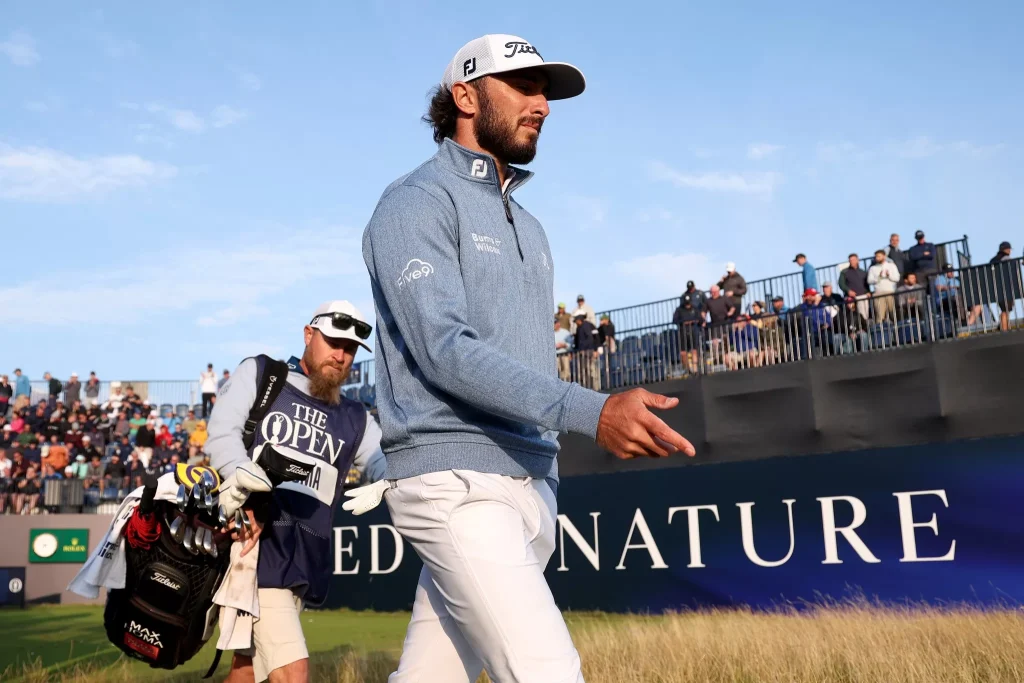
165,613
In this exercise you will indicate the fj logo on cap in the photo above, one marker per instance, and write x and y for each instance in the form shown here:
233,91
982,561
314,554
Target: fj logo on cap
469,67
521,48
479,169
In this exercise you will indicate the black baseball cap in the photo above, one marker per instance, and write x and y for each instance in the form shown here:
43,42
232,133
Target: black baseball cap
918,235
1005,245
798,257
689,283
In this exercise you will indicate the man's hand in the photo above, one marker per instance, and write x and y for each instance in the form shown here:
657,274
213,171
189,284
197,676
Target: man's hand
629,430
240,534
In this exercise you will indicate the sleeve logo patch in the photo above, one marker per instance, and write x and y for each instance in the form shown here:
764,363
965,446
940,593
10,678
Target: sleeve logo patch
416,269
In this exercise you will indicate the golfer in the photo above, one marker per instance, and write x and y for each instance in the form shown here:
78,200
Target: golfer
471,407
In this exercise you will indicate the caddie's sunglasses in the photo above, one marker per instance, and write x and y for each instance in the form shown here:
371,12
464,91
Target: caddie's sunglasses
343,321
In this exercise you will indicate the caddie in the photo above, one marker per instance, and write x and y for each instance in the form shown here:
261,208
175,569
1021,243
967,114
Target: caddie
284,449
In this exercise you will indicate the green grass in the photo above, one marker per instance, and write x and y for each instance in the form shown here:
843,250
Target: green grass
48,642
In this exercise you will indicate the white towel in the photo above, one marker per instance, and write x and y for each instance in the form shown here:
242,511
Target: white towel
238,599
106,566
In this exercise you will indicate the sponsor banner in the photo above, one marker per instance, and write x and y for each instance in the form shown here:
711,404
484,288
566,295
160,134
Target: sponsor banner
935,524
58,545
12,586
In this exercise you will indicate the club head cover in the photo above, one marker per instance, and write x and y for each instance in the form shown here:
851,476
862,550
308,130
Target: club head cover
247,478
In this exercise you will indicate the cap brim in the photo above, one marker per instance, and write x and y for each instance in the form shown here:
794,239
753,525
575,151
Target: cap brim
564,80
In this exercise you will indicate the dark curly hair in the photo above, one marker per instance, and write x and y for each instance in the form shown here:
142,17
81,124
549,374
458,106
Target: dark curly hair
442,113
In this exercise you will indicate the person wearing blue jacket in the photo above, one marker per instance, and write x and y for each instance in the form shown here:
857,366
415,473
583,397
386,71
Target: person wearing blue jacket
810,275
22,390
470,406
922,259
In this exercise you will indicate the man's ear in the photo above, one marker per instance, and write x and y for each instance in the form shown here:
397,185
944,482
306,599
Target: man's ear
466,98
307,335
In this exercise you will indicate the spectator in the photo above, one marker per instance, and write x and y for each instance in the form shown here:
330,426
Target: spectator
181,436
135,423
606,333
189,423
809,273
18,465
921,259
854,282
7,436
208,387
743,345
115,477
884,275
122,427
734,286
22,390
171,464
136,470
18,424
53,386
94,473
6,395
198,437
57,456
88,449
691,329
145,441
586,355
164,438
562,350
133,401
73,390
828,297
697,297
563,317
582,305
720,308
92,390
115,401
909,297
79,468
197,457
5,464
50,473
896,255
1006,285
851,329
779,307
26,497
947,294
816,321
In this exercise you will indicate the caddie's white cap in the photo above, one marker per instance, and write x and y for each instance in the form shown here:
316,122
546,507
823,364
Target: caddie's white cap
499,53
321,320
730,267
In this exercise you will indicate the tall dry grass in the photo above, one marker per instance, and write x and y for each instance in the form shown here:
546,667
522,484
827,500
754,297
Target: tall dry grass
853,643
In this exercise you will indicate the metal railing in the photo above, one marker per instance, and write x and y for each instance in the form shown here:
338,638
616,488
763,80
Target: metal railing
157,392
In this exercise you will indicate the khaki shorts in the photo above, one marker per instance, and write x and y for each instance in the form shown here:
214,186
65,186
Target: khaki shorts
277,636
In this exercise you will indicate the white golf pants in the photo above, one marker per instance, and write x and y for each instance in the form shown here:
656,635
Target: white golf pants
482,601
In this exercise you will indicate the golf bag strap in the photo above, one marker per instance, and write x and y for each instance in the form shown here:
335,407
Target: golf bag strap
213,667
269,385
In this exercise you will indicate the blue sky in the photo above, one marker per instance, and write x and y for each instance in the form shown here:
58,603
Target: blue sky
185,183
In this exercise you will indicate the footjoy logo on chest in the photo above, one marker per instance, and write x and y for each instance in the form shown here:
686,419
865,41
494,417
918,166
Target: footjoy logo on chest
416,269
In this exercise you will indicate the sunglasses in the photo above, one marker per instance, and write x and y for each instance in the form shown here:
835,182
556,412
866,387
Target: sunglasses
343,321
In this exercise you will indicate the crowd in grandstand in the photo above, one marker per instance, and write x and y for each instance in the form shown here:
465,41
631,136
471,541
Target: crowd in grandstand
891,297
70,435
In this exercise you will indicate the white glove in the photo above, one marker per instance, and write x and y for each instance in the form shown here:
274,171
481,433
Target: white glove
365,498
247,478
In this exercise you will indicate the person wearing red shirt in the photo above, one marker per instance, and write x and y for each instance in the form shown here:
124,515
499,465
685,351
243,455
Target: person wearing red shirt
164,439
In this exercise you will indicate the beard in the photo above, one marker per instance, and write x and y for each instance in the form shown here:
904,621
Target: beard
325,382
497,134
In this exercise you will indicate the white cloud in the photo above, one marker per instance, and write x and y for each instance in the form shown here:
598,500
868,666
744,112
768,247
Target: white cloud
761,184
185,119
20,48
762,150
216,282
224,116
249,81
664,275
41,174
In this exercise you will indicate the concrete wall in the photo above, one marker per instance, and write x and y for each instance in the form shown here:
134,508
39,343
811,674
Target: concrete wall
48,581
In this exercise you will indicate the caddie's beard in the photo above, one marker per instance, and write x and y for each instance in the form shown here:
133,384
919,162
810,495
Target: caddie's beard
325,381
497,134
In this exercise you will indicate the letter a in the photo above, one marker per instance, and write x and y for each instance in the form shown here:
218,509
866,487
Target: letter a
649,545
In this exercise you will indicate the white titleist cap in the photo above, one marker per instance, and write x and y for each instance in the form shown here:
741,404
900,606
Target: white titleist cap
499,53
342,320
